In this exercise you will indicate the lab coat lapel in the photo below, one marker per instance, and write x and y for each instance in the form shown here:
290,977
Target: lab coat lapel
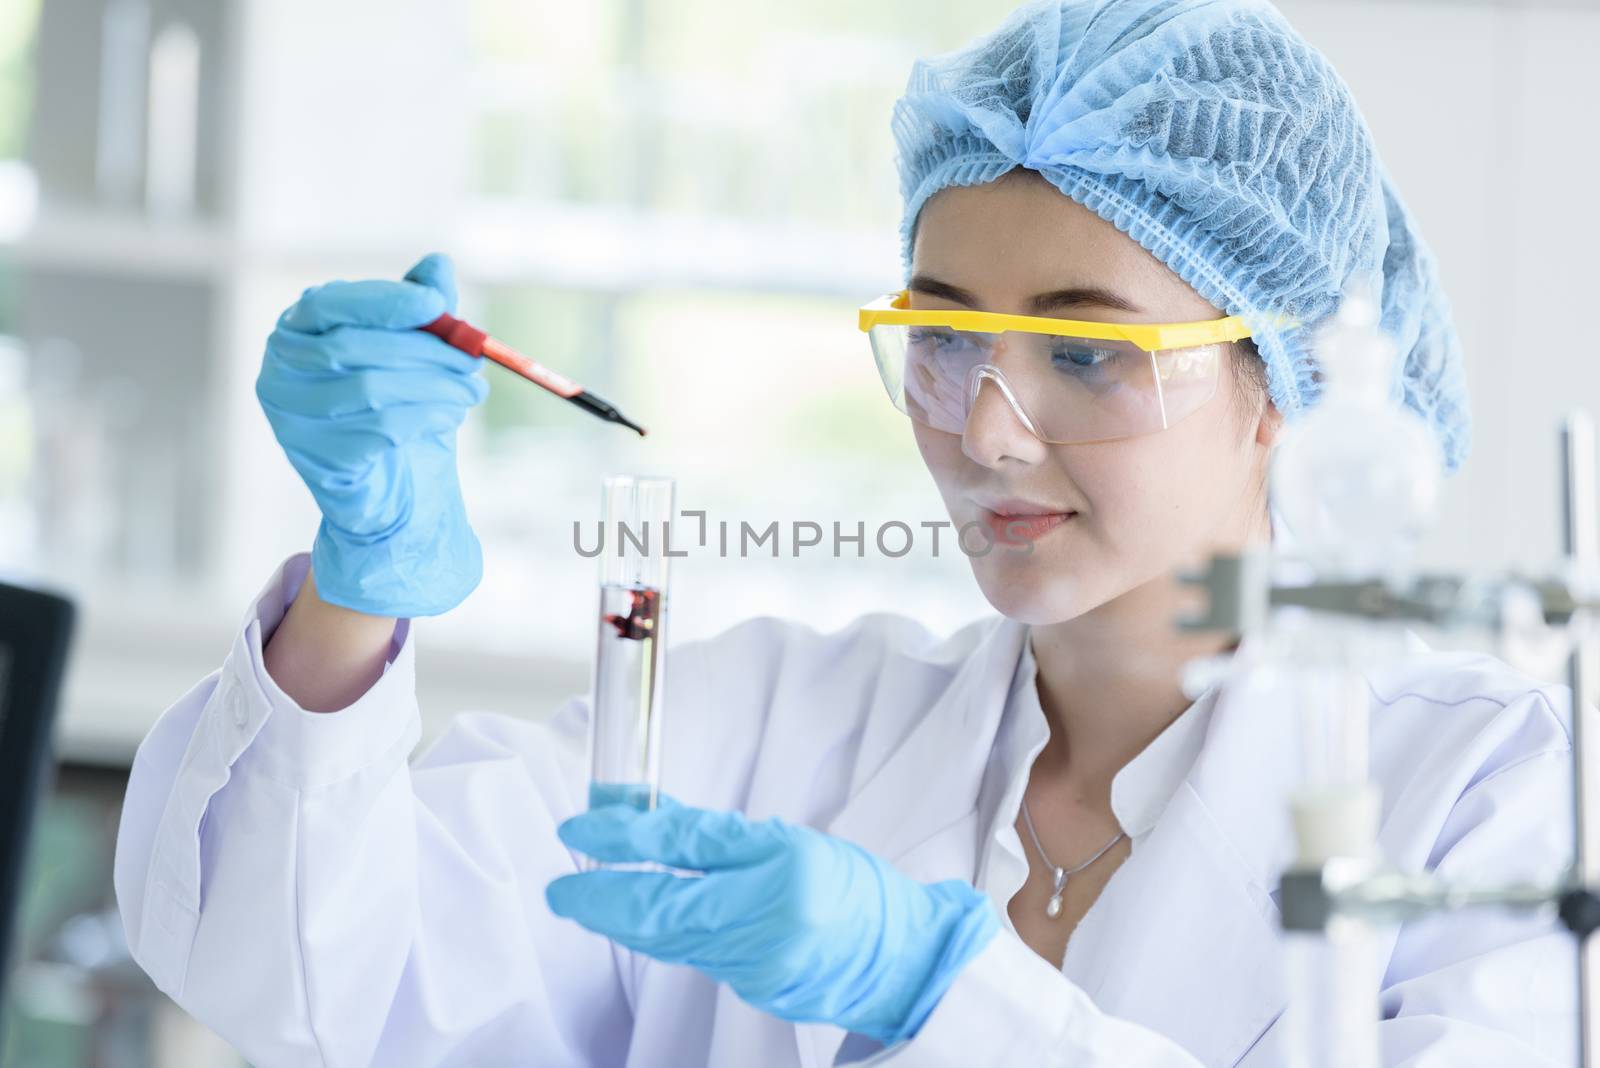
931,777
1185,938
918,808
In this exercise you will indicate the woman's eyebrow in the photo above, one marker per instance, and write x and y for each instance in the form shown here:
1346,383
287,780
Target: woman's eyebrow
1059,298
1038,304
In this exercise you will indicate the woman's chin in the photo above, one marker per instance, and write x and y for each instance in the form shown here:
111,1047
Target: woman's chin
1033,598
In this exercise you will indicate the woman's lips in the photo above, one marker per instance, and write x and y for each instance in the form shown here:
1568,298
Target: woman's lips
1022,529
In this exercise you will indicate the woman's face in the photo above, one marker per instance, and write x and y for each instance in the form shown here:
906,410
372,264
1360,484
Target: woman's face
1138,507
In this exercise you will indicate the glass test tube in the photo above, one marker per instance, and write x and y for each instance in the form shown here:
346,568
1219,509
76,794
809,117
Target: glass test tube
630,654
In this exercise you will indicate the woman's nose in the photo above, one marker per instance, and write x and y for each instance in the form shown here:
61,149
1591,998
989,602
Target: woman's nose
995,430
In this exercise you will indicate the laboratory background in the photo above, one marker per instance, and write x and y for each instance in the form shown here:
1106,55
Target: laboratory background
680,204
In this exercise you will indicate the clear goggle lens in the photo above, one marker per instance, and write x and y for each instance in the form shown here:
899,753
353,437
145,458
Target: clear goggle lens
1064,389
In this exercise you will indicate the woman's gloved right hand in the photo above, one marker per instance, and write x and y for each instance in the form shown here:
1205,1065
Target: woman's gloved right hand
366,406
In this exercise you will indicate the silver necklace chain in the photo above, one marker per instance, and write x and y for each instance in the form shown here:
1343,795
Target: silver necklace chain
1059,874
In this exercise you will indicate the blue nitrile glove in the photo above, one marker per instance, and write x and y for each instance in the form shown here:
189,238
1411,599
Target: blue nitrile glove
367,407
801,924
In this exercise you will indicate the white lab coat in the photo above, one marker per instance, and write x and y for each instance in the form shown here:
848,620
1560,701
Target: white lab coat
295,883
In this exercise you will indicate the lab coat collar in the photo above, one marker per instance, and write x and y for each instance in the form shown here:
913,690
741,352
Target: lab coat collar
1142,789
1191,912
1188,913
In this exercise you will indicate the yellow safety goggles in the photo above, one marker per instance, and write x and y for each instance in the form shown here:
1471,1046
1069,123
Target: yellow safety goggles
1069,381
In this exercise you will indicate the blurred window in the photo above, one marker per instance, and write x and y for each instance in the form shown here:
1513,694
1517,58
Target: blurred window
681,205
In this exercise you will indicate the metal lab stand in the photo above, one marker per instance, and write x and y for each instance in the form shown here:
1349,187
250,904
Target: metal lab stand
1242,597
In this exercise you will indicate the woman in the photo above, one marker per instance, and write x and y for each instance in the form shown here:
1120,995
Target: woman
883,816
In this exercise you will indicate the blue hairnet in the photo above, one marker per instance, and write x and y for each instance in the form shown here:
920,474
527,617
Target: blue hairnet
1215,136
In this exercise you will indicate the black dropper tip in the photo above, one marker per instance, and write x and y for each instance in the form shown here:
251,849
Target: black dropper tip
589,402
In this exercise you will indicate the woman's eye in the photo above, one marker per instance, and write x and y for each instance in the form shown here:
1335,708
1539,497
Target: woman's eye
936,339
1076,356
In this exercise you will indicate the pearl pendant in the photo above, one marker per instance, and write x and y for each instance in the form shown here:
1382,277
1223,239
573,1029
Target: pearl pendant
1052,908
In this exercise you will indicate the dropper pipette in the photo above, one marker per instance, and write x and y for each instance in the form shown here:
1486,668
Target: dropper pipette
474,342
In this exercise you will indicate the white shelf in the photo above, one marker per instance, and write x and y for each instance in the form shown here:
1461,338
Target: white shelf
110,242
498,243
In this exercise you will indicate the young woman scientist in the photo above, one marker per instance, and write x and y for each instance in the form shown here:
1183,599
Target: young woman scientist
872,808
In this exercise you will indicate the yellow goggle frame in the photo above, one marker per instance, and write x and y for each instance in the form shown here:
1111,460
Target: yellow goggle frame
892,310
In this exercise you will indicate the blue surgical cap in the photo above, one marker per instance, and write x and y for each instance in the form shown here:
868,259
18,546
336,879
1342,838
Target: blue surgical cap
1216,137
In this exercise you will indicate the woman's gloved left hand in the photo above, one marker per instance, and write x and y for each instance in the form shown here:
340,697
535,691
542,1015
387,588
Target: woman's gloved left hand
801,924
